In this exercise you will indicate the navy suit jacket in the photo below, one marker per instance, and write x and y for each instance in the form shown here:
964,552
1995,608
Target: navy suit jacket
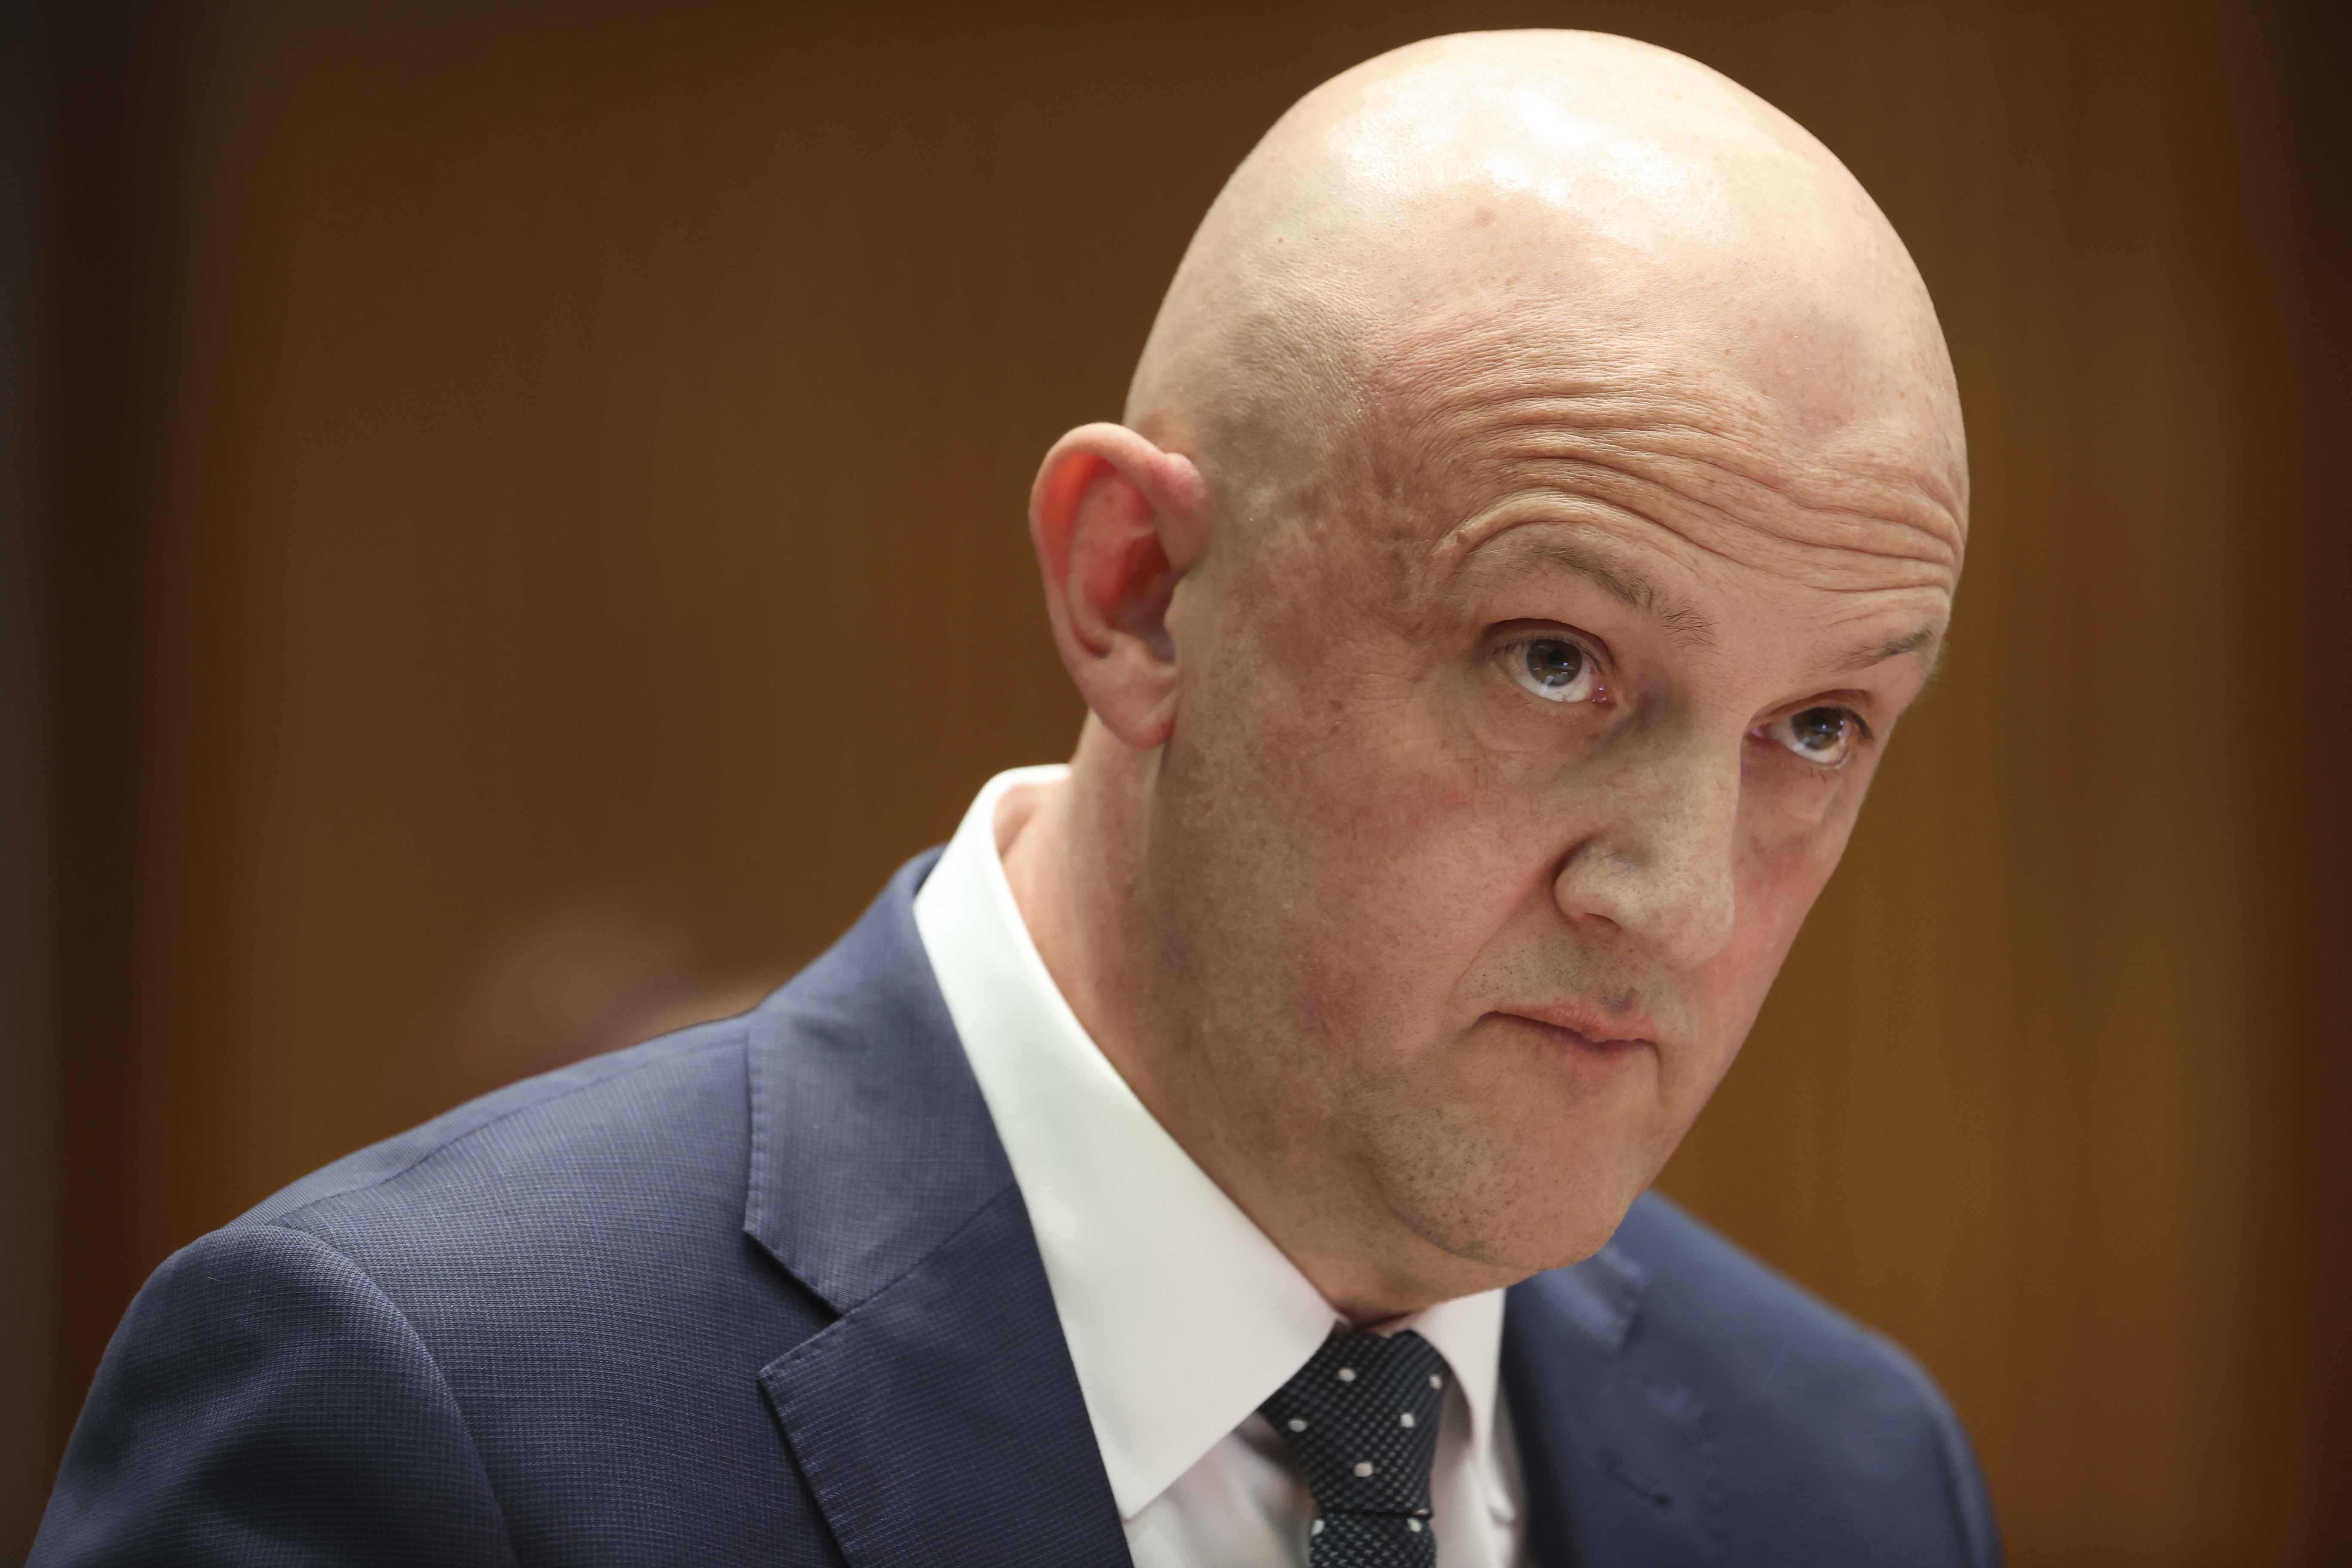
765,1292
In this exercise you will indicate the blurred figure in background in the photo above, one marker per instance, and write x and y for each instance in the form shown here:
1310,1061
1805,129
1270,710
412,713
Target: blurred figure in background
593,978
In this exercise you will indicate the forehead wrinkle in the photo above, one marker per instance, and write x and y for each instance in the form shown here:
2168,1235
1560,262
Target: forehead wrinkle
1706,454
1620,579
1928,639
1583,492
1561,488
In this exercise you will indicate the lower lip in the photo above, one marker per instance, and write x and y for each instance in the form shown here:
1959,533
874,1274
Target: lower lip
1574,1040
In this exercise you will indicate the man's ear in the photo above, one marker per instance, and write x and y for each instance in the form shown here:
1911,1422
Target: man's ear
1117,522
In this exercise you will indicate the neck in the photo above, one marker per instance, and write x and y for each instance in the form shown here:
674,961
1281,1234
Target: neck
1075,855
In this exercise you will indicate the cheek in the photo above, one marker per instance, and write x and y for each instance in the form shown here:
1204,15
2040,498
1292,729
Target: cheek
1778,877
1382,845
1391,874
1388,916
1777,888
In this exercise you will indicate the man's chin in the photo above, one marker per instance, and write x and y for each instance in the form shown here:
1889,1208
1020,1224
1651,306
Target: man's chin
1545,1217
1571,1236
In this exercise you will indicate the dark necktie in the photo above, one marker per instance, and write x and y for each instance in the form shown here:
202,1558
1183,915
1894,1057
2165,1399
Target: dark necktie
1361,1419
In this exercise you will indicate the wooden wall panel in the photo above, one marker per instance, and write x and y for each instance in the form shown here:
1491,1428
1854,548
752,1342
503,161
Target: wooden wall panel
518,454
26,1285
2312,601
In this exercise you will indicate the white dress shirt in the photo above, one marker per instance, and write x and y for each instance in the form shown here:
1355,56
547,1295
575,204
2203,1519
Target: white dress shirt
1182,1318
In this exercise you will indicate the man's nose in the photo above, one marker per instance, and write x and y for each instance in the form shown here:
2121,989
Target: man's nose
1661,866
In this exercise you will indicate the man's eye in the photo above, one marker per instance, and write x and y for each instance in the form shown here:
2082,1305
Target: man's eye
1553,668
1822,736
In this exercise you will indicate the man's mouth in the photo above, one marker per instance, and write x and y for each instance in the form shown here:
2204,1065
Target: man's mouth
1587,1029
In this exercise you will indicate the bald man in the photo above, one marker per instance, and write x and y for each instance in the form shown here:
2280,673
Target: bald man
1542,494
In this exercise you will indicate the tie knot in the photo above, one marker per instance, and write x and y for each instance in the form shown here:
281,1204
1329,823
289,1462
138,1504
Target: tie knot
1361,1419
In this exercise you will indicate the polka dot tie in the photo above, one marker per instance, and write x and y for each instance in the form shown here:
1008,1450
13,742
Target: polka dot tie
1361,1419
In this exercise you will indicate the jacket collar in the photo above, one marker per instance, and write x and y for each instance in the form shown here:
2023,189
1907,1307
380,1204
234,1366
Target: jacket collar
1615,1449
870,1142
939,1418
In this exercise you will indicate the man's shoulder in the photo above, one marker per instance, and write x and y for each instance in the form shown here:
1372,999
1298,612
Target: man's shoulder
527,1327
608,1184
1796,1424
1750,1333
634,1125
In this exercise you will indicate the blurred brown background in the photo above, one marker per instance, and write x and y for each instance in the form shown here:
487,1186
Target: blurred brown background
514,529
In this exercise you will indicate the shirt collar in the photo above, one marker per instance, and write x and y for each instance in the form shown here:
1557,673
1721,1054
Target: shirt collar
1181,1316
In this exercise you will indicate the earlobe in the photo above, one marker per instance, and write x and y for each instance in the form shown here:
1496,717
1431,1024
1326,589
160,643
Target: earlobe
1117,524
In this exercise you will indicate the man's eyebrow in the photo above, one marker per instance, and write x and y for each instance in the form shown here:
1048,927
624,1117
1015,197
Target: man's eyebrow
1627,586
1879,653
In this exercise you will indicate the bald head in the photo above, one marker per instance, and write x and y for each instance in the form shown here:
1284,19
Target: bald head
1606,215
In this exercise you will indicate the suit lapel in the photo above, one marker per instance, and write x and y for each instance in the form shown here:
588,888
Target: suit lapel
1618,1467
939,1419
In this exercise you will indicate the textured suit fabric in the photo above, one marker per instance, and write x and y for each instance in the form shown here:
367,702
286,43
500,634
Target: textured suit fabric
764,1291
1676,1402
